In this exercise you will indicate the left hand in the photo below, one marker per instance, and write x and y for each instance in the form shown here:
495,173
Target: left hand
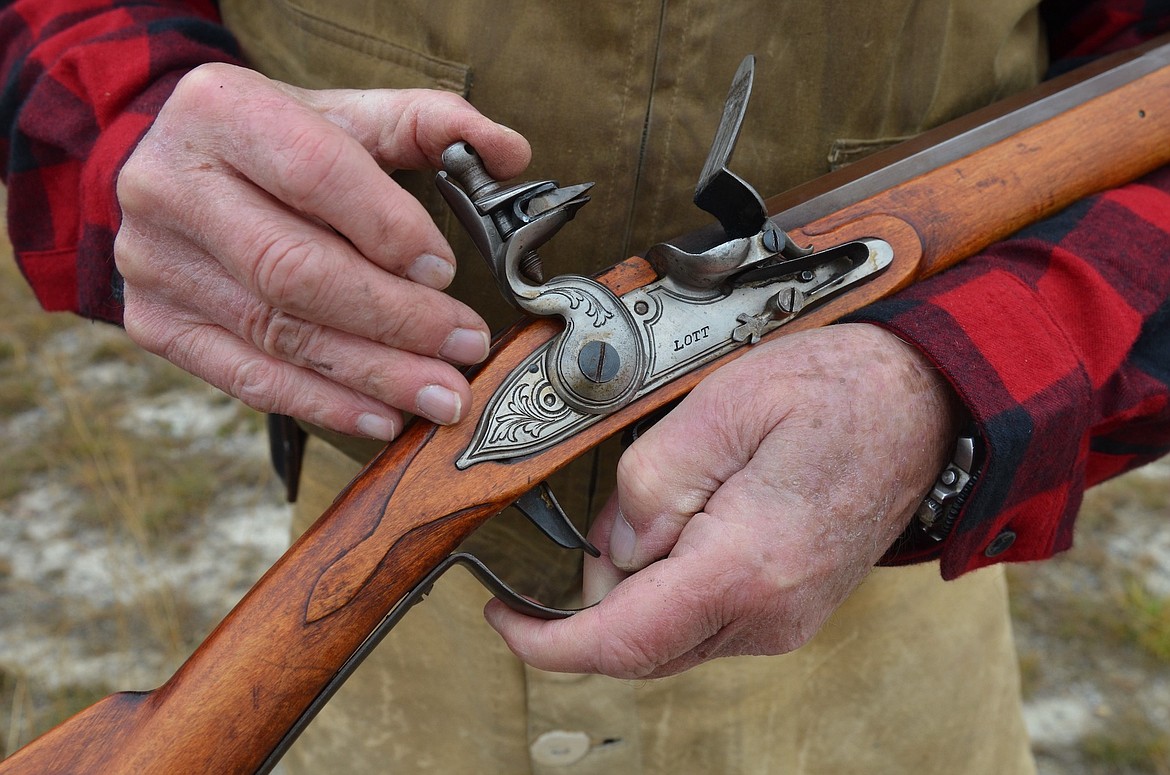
749,513
265,249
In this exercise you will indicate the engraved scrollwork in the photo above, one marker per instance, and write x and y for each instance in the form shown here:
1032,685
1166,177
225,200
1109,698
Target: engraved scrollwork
594,308
525,415
529,410
573,294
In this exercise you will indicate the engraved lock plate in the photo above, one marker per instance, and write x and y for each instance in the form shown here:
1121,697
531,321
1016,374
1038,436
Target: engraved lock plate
678,329
614,350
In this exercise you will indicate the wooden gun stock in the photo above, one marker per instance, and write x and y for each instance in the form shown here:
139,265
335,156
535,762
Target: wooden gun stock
936,200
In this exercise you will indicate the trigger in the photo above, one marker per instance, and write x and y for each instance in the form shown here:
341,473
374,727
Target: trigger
541,507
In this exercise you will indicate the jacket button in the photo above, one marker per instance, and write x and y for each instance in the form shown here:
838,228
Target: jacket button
1000,544
560,748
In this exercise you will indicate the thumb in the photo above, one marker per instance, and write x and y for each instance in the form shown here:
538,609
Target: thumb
667,476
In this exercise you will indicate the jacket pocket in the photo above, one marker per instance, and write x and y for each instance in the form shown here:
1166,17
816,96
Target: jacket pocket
314,45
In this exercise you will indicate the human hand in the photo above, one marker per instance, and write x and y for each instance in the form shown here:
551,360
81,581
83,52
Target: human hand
265,249
750,512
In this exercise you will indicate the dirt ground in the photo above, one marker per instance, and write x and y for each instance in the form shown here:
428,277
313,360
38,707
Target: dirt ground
136,505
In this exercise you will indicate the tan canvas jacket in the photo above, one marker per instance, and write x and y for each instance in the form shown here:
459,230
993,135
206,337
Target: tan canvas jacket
628,93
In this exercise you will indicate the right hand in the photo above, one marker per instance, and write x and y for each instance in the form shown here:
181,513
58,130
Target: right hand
816,449
265,249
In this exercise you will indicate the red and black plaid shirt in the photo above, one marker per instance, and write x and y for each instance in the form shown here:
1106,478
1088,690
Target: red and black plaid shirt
1058,339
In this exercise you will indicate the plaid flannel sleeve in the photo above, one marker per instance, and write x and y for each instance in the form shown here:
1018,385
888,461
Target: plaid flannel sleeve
82,82
1057,341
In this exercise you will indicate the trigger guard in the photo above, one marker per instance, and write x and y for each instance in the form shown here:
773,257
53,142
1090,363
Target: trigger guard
501,590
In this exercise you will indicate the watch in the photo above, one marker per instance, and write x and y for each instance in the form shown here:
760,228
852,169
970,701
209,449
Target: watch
939,511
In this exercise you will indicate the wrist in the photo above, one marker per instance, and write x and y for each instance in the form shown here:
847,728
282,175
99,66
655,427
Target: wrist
941,410
950,453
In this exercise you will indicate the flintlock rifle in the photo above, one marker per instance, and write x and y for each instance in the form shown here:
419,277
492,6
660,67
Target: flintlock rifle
552,389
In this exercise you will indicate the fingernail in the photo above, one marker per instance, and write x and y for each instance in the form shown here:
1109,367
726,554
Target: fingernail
377,427
431,271
439,404
621,542
465,345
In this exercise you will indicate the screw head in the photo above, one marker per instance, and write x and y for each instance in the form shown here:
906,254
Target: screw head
772,240
599,361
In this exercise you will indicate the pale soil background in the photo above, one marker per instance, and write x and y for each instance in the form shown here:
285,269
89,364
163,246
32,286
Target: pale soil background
136,505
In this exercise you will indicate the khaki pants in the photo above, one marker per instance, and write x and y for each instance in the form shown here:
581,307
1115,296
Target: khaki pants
910,675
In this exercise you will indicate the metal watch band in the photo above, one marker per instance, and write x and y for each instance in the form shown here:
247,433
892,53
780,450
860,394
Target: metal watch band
939,511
